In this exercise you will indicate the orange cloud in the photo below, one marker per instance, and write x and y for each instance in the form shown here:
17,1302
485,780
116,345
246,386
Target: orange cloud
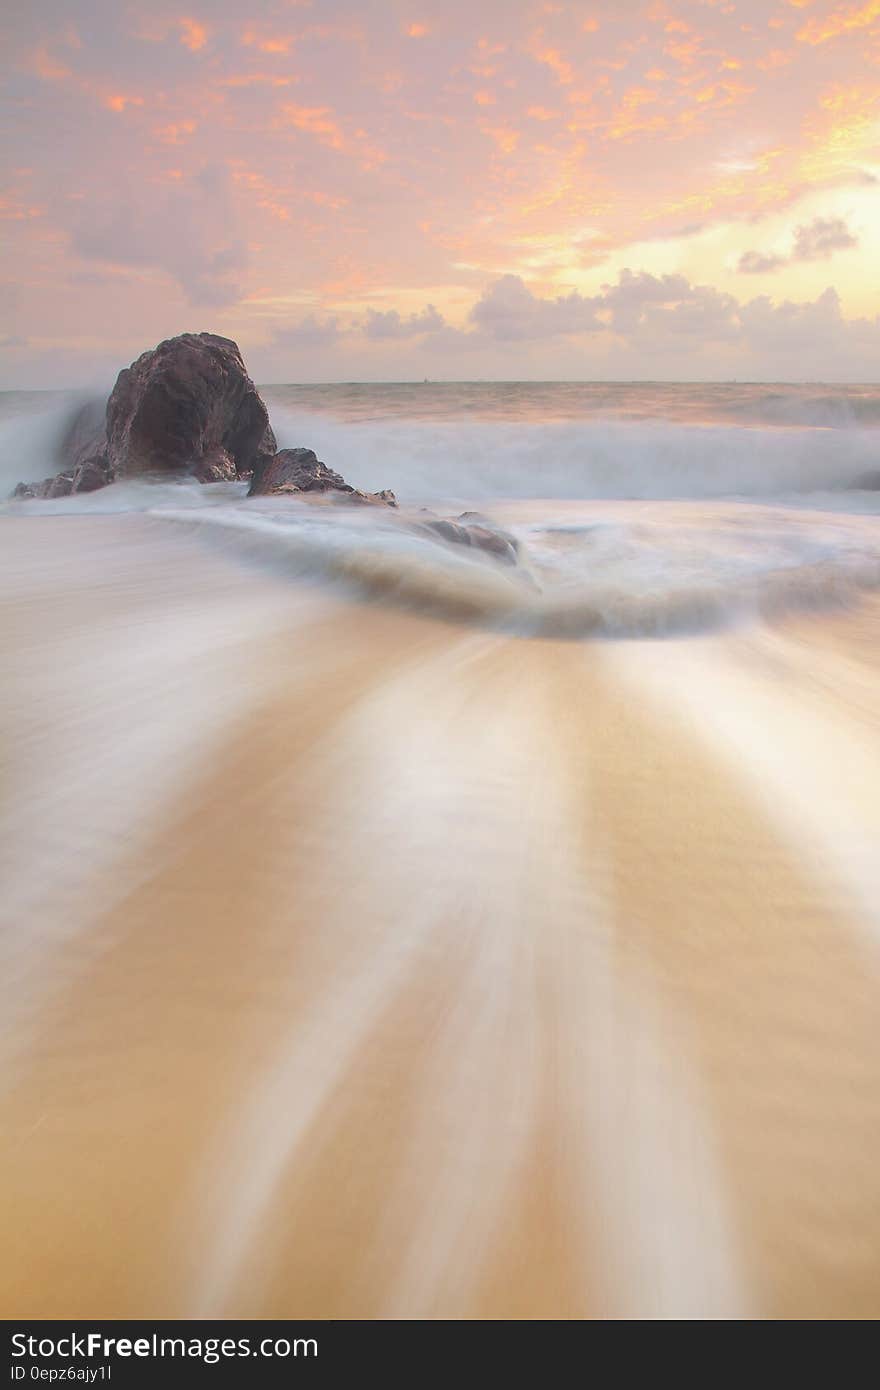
628,120
776,58
119,100
315,120
174,134
505,138
553,59
417,31
47,67
325,200
274,43
840,21
257,79
484,98
847,137
684,52
193,35
13,210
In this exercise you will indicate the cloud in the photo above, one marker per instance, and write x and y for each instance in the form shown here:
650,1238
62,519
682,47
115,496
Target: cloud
310,332
391,325
638,304
813,241
755,263
189,231
843,20
193,35
510,311
821,238
642,325
316,120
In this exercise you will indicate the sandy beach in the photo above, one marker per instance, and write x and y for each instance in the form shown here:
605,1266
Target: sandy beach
360,964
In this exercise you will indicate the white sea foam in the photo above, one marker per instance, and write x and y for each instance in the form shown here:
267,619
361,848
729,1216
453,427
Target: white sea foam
602,458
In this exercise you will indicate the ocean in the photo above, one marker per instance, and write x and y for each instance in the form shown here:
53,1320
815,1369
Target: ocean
393,932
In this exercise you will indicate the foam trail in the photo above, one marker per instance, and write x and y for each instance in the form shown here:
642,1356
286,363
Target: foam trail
137,693
647,1164
812,765
481,1080
374,965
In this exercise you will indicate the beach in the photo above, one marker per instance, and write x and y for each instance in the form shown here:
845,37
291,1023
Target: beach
363,963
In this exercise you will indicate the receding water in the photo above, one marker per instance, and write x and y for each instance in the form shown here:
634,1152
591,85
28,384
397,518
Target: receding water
380,938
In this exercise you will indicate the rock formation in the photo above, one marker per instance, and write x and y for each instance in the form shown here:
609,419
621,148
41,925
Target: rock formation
301,471
187,409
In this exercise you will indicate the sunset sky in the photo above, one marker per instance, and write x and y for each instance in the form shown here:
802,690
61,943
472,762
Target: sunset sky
382,190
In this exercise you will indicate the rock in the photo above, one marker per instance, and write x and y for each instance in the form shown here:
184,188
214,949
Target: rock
385,498
93,473
217,467
187,408
301,471
868,482
478,537
268,448
295,470
61,485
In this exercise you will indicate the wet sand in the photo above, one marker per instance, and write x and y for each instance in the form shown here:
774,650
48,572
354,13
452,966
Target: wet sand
358,964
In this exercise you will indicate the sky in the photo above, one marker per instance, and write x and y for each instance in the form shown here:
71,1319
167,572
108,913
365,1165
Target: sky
382,190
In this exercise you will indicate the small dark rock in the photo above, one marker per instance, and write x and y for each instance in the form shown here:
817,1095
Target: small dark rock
301,471
297,470
59,486
92,474
478,537
385,498
217,467
88,476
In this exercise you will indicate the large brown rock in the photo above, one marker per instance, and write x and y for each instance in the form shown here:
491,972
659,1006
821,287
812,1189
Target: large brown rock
301,471
187,408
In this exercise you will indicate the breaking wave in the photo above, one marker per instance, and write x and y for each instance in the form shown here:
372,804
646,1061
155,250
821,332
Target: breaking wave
481,459
607,577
